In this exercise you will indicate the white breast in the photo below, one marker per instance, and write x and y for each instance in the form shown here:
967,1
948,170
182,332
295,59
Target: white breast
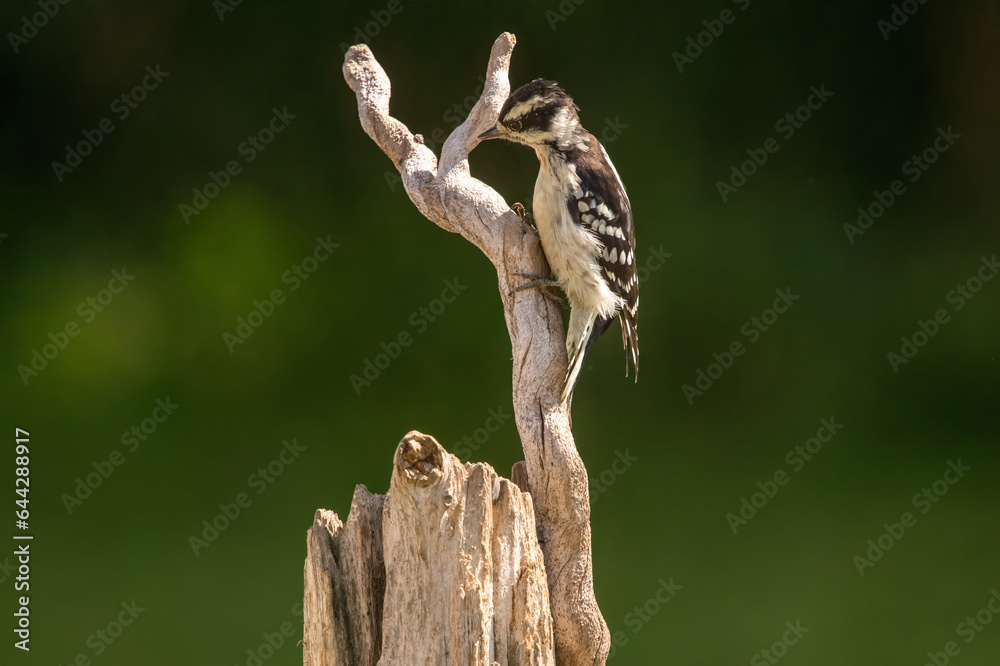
571,250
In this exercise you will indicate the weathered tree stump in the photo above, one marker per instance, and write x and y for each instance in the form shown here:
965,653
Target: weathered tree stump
462,580
452,566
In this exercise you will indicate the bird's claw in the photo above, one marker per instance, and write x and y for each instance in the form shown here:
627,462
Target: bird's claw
523,213
545,285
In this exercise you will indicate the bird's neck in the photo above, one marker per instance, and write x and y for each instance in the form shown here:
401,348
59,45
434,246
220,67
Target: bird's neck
562,146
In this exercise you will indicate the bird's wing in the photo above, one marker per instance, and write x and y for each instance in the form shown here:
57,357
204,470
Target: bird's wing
601,206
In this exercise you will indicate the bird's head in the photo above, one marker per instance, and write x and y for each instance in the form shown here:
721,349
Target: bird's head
537,114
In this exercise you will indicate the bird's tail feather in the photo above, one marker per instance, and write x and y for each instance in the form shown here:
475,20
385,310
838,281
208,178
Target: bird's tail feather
630,341
578,338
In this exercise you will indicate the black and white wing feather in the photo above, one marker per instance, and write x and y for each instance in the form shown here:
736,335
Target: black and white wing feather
601,206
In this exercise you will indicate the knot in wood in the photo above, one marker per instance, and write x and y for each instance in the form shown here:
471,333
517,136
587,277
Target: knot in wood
420,458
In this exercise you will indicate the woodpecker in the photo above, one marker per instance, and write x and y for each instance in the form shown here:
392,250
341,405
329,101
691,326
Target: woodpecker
583,217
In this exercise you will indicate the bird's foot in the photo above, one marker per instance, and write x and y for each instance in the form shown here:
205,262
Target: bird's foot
523,214
546,285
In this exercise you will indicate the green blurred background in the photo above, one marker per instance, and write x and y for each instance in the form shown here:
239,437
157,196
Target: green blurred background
673,135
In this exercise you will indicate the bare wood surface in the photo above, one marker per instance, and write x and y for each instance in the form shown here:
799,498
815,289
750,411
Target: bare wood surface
461,552
324,636
345,585
463,577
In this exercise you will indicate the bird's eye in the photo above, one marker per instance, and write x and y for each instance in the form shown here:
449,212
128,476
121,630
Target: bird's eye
514,125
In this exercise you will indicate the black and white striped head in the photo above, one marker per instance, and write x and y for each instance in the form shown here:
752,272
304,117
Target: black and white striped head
537,114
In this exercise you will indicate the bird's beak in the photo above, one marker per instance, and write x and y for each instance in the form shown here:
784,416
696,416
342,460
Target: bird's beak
491,133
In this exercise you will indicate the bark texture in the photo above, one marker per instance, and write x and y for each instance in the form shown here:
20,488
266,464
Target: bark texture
444,191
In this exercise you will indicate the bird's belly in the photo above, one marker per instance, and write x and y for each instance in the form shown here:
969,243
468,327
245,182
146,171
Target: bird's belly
570,250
